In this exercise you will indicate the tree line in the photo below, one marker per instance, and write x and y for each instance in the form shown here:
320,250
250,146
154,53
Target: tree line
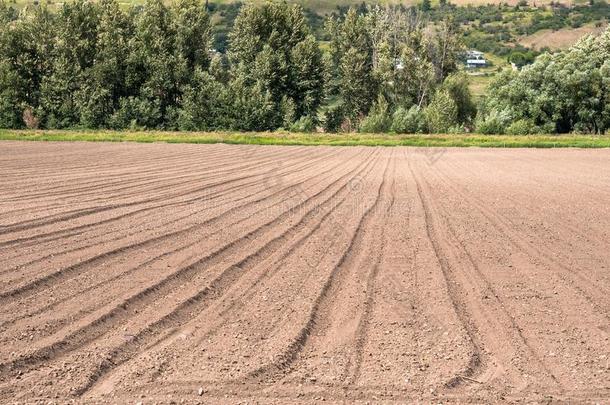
564,92
94,65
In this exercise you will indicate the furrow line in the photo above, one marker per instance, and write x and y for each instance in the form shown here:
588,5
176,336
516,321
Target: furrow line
198,302
78,268
362,329
181,248
285,359
477,358
498,309
92,331
73,231
74,214
504,225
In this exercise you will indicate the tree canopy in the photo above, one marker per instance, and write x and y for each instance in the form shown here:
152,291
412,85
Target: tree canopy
564,92
96,65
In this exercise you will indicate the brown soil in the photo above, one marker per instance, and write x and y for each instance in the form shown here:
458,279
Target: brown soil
191,273
561,39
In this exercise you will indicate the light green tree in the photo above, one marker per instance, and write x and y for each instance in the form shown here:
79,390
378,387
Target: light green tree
442,112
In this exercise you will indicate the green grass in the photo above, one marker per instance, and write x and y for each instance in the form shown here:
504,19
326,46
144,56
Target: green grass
282,138
478,84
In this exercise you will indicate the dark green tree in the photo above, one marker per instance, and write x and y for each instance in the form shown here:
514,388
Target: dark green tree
153,69
73,54
203,103
26,44
456,85
351,51
100,94
272,52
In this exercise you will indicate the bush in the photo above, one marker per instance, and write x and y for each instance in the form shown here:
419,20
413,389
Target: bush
493,124
457,86
11,111
456,129
288,111
378,119
522,127
411,121
333,118
303,124
490,126
442,113
375,124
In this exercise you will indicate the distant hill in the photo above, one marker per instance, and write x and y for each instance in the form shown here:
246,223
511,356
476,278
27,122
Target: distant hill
328,6
560,39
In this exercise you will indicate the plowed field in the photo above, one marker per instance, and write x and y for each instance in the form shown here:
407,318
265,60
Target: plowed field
216,273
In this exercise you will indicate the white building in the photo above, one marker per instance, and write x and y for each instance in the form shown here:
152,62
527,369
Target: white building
475,59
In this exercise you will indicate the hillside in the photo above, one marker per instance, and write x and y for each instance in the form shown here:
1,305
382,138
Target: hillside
561,39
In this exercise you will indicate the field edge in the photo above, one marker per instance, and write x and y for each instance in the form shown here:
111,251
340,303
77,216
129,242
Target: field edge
313,139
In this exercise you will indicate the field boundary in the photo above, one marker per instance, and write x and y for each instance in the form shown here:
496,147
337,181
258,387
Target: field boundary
314,139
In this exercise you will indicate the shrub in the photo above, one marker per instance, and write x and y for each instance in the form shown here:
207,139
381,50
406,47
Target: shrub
378,119
442,113
457,86
288,111
456,129
375,124
411,121
493,124
303,124
333,118
520,127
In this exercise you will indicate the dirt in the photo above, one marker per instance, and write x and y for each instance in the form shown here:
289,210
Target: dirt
224,274
562,38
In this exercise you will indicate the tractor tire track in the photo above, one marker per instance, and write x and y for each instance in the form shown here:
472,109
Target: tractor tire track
109,319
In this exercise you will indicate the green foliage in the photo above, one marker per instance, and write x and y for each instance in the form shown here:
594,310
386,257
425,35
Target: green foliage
95,65
387,52
522,127
271,48
26,45
334,118
308,73
378,119
457,87
352,56
202,103
521,59
493,123
304,124
288,111
564,92
105,82
408,121
250,107
442,112
448,48
10,108
73,54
